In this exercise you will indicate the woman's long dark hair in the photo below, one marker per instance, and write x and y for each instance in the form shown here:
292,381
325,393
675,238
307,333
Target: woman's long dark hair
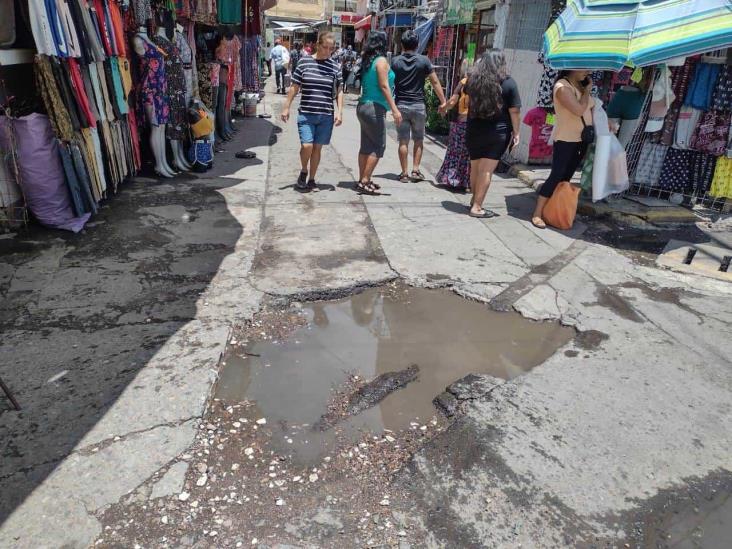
374,47
484,85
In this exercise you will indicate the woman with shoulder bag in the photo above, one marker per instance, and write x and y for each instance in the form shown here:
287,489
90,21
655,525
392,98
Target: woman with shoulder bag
573,133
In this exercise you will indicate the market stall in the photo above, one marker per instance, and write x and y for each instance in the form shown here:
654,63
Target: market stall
666,82
124,87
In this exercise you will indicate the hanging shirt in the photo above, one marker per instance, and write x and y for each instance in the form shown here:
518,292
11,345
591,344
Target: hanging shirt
541,131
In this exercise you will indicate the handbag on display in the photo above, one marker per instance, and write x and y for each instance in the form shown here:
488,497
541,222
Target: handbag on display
201,155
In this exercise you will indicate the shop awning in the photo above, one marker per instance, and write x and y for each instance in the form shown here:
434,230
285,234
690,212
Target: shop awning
295,25
288,25
363,23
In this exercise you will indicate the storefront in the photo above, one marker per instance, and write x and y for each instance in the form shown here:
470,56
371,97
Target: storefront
122,88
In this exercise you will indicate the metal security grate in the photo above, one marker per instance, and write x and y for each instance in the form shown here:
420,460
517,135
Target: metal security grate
527,21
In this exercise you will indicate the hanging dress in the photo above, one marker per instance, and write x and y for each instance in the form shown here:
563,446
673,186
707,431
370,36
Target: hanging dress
153,87
177,128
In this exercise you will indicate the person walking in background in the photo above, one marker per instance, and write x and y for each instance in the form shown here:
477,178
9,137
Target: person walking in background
411,70
455,169
377,83
493,123
319,79
573,112
268,58
348,61
281,58
295,56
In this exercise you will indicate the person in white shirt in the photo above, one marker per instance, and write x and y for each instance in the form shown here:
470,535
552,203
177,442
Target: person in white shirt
268,58
281,57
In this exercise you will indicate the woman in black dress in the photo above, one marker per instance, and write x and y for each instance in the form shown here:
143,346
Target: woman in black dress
493,123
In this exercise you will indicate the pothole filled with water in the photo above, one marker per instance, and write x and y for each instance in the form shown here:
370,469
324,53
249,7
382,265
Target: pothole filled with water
293,377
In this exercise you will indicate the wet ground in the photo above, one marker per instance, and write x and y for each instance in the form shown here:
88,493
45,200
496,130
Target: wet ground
372,335
265,468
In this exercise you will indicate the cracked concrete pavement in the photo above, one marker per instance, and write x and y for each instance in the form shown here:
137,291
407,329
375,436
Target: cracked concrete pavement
112,338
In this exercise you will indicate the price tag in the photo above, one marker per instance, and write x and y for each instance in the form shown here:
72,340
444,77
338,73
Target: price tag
550,118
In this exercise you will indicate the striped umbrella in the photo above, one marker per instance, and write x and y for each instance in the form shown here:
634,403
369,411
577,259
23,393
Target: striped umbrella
608,34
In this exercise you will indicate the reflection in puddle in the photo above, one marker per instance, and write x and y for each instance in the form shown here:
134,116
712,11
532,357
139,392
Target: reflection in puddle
368,334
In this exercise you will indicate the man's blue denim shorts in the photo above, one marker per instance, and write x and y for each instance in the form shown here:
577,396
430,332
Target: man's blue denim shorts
315,128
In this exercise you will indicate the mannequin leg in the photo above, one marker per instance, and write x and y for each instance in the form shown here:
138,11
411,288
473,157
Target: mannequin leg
157,153
178,160
164,150
182,156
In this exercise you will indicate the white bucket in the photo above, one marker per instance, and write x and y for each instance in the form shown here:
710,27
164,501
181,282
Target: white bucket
250,104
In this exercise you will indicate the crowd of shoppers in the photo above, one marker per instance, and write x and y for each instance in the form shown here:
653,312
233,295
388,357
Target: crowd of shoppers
485,125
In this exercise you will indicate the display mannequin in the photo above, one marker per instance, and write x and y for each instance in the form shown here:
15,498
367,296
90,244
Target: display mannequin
177,127
186,56
152,93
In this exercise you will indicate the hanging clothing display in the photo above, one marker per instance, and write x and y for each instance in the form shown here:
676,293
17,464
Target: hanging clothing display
722,96
701,87
175,84
153,87
101,112
648,171
229,11
722,182
711,133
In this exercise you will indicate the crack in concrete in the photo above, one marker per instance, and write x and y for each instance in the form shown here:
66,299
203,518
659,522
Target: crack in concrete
507,298
102,444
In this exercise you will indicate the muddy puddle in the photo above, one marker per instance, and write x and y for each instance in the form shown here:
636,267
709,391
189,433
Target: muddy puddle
704,523
292,379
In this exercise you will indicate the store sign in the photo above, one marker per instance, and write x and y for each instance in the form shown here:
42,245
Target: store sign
345,18
458,12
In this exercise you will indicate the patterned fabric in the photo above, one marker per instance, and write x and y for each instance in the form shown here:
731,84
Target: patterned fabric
455,170
681,77
675,173
186,57
205,87
648,170
722,182
711,134
250,66
153,88
702,171
57,111
667,134
183,8
177,128
545,98
204,11
722,98
143,11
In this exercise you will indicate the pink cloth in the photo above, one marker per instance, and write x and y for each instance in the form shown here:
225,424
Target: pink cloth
539,146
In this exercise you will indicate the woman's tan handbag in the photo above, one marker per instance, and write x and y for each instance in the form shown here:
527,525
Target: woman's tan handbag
561,208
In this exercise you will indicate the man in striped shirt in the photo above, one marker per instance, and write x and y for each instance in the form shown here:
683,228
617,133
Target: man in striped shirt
319,80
